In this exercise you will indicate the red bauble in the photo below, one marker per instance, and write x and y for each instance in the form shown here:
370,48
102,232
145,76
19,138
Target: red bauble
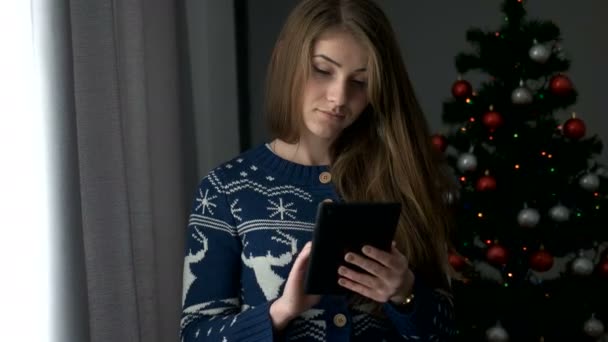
541,261
462,89
457,262
602,268
440,142
497,255
486,183
560,85
574,128
492,120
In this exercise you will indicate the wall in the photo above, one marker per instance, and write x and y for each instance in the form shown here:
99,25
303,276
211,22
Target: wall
210,71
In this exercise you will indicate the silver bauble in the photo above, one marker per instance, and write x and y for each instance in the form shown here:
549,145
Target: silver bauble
590,182
594,327
582,266
521,96
528,218
450,197
559,213
539,53
497,334
467,162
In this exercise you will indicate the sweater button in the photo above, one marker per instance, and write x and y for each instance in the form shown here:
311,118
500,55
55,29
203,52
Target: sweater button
340,320
325,177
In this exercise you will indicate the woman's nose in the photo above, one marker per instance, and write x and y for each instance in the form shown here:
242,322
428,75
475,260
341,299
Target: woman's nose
337,92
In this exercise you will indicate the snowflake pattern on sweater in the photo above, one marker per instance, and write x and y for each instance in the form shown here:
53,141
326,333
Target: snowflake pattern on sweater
249,219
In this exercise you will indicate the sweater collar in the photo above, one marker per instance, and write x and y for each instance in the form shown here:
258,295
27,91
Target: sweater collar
286,170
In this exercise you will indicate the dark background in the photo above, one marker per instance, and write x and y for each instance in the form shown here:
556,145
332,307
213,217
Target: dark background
227,46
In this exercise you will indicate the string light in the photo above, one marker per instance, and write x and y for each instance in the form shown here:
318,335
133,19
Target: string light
463,179
543,153
579,214
541,96
550,156
515,135
524,248
597,207
497,34
480,215
464,129
488,242
596,194
516,166
506,285
472,119
510,274
469,101
491,137
552,169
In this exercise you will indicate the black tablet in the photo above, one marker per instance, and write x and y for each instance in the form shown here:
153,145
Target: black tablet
342,228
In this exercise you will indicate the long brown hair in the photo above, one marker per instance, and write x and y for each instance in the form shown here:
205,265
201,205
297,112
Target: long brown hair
385,155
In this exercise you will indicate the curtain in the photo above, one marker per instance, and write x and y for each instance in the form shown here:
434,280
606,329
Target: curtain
123,184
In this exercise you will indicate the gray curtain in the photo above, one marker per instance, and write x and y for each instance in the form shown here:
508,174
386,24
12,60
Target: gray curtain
121,184
127,124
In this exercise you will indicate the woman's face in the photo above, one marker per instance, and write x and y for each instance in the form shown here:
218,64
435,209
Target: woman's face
335,94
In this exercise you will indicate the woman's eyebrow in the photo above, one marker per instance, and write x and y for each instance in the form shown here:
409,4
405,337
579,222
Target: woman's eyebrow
336,63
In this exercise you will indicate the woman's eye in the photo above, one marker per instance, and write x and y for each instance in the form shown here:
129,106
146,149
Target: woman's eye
321,71
360,83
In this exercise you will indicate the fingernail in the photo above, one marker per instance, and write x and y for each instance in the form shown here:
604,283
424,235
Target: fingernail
341,270
349,257
367,249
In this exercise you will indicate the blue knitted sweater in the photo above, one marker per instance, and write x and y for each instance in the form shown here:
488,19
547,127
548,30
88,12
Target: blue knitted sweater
249,219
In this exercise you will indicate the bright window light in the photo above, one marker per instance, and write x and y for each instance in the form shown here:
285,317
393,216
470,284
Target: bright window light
24,198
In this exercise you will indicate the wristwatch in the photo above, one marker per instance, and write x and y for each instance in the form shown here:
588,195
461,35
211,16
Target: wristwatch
406,305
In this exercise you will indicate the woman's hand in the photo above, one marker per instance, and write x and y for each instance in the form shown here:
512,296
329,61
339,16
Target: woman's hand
293,301
390,277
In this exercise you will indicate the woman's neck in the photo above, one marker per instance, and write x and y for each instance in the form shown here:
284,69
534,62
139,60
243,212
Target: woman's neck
304,151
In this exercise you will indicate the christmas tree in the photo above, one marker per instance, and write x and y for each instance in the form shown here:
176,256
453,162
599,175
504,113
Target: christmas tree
531,224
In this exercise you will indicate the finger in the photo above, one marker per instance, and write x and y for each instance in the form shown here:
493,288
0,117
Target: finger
358,277
367,264
302,259
382,257
297,273
360,289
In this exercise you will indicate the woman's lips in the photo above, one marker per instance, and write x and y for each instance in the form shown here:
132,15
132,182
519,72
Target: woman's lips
332,114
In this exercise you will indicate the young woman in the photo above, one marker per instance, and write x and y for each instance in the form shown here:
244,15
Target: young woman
346,127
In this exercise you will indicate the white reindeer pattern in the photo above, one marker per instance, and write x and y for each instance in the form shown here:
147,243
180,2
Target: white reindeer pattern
267,279
190,259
